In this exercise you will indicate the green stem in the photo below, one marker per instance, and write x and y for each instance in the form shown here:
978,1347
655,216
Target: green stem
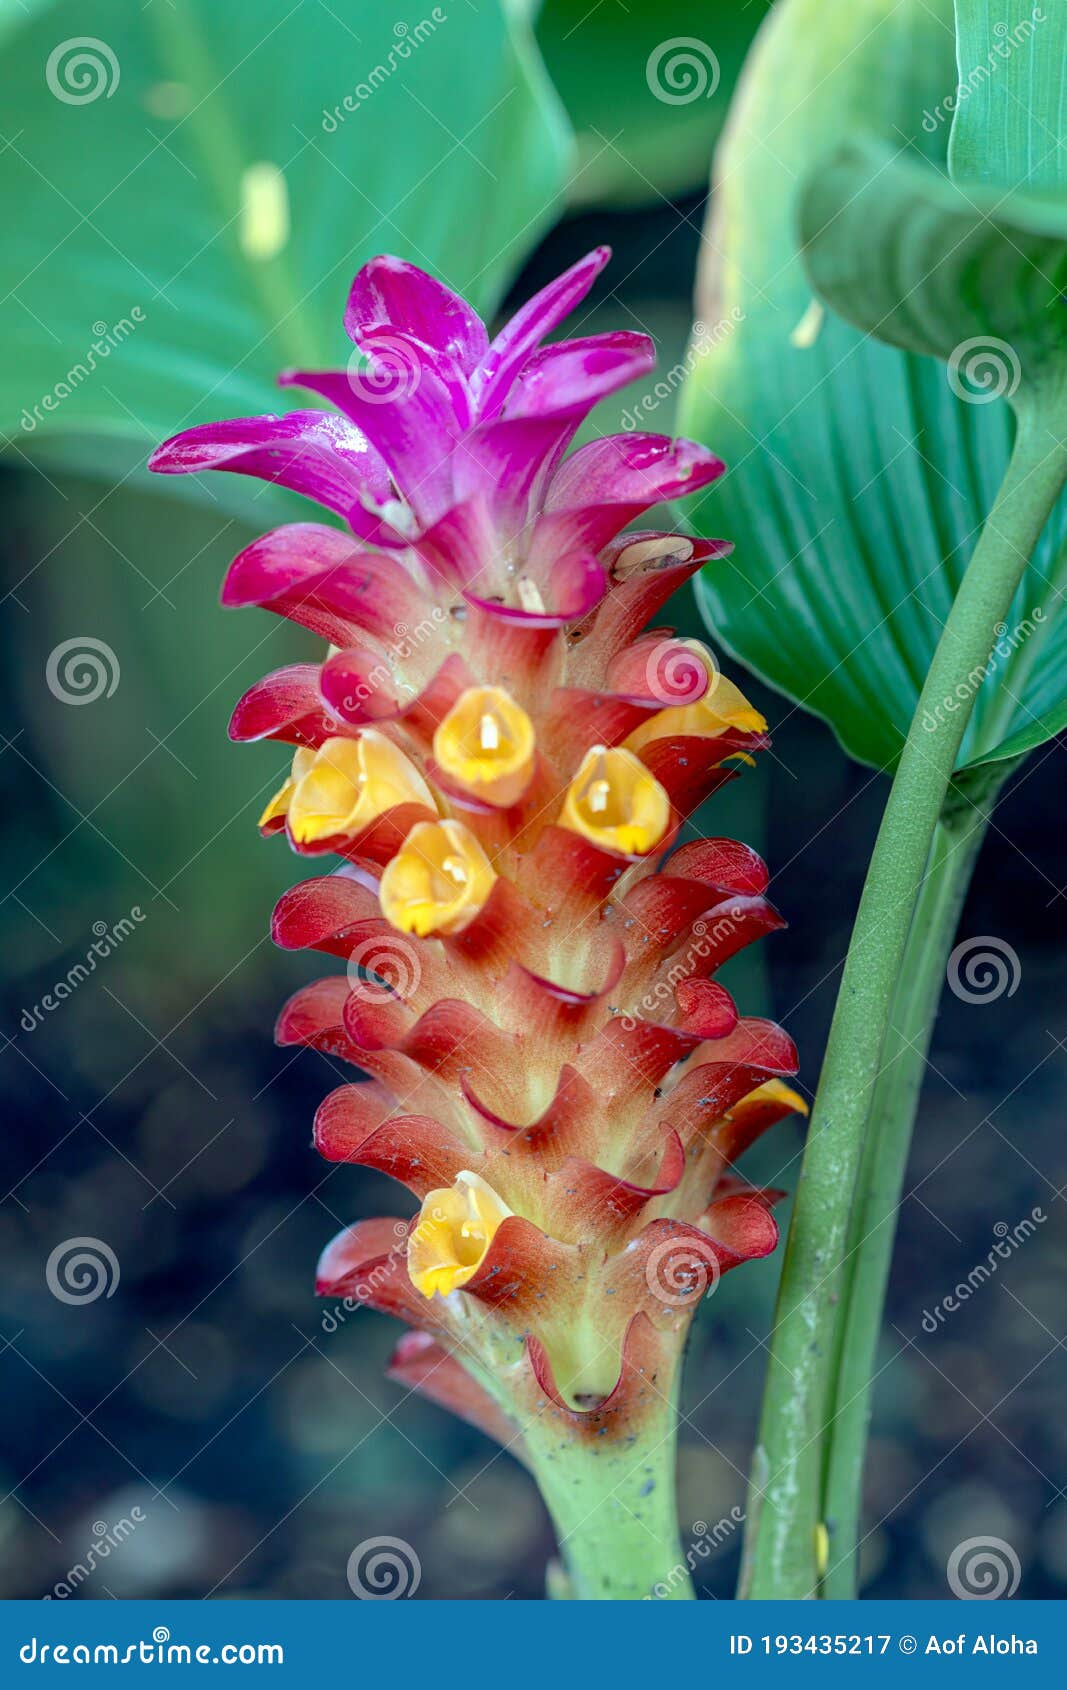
781,1556
872,1228
613,1504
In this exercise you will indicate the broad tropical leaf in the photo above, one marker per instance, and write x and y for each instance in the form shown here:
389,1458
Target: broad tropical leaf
191,186
861,473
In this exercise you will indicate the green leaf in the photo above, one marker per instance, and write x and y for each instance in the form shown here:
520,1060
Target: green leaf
860,473
647,85
926,264
186,208
1011,106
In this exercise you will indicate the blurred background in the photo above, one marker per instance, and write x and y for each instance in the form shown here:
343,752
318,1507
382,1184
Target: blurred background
201,1419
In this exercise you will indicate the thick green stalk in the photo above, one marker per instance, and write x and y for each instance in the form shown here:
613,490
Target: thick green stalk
872,1227
614,1506
785,1508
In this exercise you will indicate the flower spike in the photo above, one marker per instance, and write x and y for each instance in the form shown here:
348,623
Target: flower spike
504,755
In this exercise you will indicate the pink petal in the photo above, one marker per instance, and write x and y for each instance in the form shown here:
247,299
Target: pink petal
312,453
324,580
406,406
606,484
525,331
388,291
574,375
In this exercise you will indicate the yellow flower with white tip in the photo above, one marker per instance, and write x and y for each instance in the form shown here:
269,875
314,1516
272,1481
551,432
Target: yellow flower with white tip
344,786
438,880
616,803
451,1238
486,745
723,706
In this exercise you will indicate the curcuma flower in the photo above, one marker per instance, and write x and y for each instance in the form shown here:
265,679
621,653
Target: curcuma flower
504,759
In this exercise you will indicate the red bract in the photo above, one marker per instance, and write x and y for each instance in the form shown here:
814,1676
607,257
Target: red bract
505,759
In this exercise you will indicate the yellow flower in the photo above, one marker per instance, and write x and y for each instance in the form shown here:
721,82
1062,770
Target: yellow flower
438,880
616,803
486,745
774,1091
722,707
344,786
451,1239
